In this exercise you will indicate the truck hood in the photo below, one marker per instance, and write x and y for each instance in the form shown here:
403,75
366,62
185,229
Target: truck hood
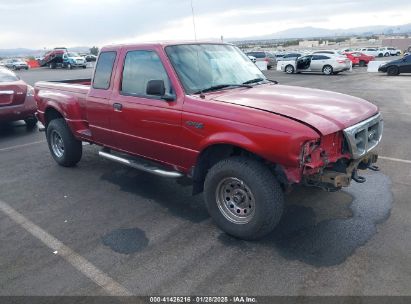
325,111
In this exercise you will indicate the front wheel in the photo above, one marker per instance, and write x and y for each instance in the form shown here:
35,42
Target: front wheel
362,63
289,69
64,147
243,197
393,71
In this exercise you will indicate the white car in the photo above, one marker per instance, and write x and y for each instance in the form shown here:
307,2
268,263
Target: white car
389,51
324,63
370,51
252,58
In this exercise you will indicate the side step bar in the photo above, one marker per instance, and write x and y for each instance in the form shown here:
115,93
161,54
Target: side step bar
140,164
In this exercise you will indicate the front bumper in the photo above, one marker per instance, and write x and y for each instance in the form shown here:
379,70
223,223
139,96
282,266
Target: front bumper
332,180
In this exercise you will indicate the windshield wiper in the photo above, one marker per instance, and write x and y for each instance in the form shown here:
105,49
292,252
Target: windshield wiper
223,86
254,80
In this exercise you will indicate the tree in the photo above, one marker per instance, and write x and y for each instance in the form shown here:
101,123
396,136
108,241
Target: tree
94,50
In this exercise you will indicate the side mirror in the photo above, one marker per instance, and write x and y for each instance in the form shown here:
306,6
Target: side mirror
157,88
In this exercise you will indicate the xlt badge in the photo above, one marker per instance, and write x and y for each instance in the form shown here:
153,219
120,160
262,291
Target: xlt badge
195,124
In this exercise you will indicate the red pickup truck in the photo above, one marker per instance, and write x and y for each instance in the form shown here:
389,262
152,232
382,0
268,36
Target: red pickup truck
205,111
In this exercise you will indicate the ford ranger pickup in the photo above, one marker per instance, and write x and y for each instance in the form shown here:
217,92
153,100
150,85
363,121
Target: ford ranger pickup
205,111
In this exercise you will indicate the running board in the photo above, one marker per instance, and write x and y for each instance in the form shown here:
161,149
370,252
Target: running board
140,164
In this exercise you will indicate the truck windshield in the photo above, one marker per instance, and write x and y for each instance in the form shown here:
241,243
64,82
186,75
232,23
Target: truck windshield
204,66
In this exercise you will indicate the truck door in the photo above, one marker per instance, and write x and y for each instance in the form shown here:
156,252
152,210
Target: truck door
145,124
98,107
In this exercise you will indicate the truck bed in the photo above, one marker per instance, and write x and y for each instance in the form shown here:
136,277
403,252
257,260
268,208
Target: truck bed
80,86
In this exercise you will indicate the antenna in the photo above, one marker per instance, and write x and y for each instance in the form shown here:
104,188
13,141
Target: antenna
194,20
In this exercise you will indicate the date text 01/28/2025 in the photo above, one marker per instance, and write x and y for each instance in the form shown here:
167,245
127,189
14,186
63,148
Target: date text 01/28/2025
239,299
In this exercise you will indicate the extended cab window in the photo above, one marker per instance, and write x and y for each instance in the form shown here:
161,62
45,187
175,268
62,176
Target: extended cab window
139,68
104,68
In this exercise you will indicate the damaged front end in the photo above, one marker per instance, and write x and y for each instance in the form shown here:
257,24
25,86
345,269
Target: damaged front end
333,162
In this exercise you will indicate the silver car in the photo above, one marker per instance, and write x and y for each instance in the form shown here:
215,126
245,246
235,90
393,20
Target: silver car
324,63
16,64
264,56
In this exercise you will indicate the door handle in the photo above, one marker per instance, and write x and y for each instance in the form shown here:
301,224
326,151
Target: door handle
117,107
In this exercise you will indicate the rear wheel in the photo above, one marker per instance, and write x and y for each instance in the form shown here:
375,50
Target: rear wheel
289,69
393,71
31,122
328,70
387,54
398,53
362,63
243,197
64,147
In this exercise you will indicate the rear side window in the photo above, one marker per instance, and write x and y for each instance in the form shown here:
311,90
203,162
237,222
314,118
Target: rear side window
139,68
259,54
7,76
104,68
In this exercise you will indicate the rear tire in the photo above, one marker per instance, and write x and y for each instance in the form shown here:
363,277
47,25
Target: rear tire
362,63
243,197
64,147
328,70
393,71
31,122
289,69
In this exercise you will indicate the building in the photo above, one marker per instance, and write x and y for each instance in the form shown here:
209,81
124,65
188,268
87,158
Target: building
309,43
401,44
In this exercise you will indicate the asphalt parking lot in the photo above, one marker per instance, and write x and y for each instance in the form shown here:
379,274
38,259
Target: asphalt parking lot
120,231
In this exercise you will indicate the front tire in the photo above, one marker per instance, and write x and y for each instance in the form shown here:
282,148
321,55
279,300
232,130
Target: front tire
393,71
243,197
289,69
64,147
362,63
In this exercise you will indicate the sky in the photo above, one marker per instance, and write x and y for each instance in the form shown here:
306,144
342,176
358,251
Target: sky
40,24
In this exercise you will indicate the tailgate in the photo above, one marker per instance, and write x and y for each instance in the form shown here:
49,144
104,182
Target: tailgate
12,94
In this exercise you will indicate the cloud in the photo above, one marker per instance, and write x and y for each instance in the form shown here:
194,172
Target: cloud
47,23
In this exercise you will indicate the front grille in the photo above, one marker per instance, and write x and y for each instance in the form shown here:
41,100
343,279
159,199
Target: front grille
365,136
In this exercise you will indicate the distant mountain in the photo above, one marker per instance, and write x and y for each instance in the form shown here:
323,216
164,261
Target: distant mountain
22,52
313,32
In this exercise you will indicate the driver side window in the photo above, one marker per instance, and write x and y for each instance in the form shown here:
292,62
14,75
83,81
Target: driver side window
140,67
